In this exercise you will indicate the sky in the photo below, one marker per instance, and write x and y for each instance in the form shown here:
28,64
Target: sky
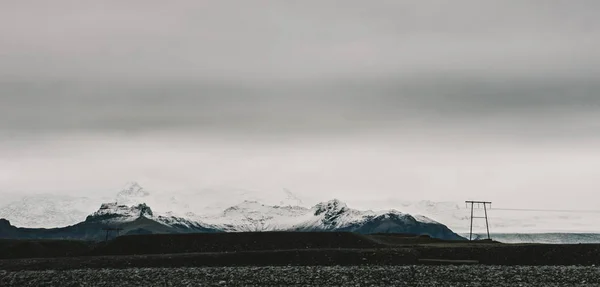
365,101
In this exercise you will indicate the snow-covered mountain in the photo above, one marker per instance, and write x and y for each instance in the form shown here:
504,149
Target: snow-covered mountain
333,215
254,216
115,213
281,210
326,216
51,210
257,211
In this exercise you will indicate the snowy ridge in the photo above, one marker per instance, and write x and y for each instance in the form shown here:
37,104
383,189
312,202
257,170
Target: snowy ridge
333,215
132,212
282,211
115,213
133,203
255,216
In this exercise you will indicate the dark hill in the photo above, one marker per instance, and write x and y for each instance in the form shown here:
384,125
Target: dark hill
93,230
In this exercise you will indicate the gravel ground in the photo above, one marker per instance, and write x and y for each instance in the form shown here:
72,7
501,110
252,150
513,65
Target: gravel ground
478,275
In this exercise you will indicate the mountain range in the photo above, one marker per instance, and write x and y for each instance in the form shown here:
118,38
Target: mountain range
245,210
133,216
49,211
333,215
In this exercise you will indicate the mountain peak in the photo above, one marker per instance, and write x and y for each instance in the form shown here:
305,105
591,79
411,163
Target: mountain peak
334,206
116,212
144,209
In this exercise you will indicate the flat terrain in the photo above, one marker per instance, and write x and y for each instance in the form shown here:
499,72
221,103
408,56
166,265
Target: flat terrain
281,249
27,248
478,275
294,258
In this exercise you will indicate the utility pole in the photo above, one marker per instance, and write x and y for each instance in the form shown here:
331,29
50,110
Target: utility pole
479,203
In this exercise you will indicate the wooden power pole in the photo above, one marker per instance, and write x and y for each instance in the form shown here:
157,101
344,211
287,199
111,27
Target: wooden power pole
479,203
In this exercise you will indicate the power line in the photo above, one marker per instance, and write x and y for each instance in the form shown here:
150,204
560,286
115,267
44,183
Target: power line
548,210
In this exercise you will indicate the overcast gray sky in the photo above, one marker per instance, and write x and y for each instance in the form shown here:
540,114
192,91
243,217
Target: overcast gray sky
443,100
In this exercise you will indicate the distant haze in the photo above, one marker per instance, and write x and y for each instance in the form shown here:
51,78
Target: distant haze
365,101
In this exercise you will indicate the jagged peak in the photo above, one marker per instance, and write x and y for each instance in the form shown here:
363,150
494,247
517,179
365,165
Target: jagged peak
144,209
395,214
332,206
116,205
113,210
109,205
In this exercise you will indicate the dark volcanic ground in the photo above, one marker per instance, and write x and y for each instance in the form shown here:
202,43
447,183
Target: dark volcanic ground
294,258
279,249
474,275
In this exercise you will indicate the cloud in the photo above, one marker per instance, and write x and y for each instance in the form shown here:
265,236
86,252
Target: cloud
326,98
288,40
281,67
519,107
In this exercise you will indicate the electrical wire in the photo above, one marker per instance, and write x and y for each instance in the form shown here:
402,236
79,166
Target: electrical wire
546,210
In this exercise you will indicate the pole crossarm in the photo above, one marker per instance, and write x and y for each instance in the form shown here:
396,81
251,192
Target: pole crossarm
473,201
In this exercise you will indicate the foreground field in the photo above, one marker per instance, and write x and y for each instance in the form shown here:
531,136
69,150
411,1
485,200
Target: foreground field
280,249
477,275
